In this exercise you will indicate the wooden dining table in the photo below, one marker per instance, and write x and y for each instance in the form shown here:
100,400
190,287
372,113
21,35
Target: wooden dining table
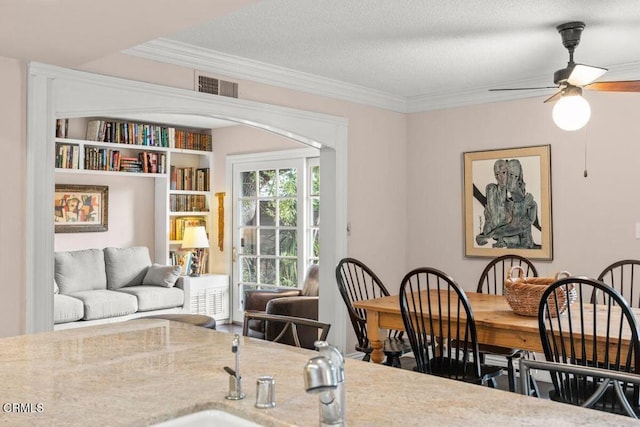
496,323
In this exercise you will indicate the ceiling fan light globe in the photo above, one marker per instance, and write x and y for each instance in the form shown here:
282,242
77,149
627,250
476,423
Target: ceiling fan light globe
571,112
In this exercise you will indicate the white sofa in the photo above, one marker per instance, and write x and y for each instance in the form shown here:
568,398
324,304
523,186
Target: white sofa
95,286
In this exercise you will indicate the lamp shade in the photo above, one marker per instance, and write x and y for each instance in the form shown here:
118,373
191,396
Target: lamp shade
195,237
571,112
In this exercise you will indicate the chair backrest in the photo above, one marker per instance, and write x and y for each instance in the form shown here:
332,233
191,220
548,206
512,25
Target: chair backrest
295,331
436,313
621,276
358,282
591,332
494,274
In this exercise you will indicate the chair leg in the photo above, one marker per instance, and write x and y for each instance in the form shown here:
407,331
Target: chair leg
396,361
511,374
367,357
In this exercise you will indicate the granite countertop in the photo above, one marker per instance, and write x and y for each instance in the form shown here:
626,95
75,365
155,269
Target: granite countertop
141,372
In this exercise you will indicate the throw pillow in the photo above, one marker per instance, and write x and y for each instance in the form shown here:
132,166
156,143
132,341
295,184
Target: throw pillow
310,288
126,266
162,275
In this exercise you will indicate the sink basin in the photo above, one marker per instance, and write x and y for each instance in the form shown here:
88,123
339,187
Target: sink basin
210,417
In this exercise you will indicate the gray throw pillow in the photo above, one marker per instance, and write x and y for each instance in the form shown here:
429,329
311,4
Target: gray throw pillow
162,275
126,266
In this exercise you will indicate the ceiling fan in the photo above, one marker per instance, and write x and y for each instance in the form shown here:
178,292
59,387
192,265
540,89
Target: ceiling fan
572,111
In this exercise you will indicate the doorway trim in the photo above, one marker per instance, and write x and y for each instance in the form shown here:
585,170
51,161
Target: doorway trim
55,92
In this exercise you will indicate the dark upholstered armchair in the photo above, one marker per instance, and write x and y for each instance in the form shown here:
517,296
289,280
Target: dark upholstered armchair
284,302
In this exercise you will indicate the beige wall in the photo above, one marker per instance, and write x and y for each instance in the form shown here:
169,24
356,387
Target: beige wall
594,218
12,196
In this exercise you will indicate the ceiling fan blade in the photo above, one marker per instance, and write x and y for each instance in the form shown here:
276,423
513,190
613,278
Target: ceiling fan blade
554,97
621,86
524,88
582,75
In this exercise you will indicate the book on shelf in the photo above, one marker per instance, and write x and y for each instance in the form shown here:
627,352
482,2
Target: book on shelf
189,178
178,224
62,128
67,156
188,203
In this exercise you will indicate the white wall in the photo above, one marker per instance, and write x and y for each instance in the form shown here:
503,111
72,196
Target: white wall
593,218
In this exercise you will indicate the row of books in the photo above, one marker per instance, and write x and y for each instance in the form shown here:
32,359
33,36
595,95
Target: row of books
192,141
147,135
67,156
107,159
188,203
191,179
185,258
177,225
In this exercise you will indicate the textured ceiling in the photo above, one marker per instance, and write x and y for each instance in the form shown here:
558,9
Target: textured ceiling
421,48
420,51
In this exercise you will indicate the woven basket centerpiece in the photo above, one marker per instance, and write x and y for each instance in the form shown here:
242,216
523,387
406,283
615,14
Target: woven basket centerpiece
524,293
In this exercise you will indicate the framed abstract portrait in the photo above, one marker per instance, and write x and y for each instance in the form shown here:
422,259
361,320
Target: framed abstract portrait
81,208
507,202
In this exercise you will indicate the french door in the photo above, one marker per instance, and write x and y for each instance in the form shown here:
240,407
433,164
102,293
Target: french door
275,224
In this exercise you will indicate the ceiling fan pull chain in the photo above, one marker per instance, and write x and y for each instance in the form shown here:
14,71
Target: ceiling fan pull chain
585,151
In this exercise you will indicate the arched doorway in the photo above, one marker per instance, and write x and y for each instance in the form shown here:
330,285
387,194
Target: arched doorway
57,92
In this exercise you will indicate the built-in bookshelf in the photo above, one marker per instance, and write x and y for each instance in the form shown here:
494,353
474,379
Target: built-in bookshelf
179,159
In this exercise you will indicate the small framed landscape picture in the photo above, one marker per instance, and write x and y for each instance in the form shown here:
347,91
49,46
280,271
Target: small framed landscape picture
81,208
507,202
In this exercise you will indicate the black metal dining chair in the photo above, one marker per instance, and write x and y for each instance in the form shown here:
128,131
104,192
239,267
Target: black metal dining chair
571,335
357,282
492,282
436,314
622,275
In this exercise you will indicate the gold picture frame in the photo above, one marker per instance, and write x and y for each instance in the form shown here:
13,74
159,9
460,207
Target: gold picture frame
507,202
81,208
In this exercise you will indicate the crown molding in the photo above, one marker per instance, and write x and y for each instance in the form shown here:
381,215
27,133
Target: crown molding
207,60
182,54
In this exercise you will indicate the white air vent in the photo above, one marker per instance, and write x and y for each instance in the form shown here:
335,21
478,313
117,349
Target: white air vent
217,87
212,302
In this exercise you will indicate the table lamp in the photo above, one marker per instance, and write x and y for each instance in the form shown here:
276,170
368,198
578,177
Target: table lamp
195,238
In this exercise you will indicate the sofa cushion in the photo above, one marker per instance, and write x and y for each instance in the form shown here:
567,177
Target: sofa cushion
99,304
162,275
66,309
82,270
126,266
155,297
